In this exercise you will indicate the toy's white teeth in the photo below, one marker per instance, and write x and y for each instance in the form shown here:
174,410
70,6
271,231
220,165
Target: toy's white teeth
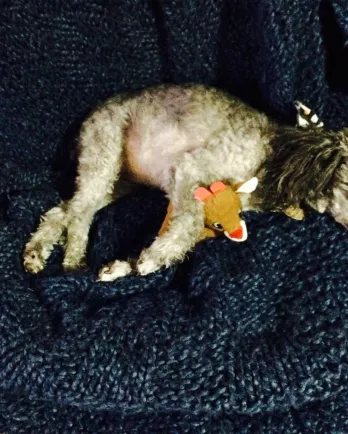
241,233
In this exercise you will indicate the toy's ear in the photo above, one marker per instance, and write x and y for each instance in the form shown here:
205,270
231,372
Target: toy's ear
217,186
202,194
248,186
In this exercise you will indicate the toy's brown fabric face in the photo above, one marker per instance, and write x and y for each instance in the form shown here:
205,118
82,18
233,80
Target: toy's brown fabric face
222,208
222,214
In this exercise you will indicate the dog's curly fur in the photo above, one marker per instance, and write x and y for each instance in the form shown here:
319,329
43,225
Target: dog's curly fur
304,168
177,138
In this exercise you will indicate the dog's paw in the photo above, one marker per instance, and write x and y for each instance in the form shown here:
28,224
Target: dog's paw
114,271
147,266
32,260
295,213
161,254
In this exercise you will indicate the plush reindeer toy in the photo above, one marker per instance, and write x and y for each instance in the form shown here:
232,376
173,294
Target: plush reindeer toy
222,210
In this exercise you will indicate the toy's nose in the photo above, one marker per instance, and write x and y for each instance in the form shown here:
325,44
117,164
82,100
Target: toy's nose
240,234
237,233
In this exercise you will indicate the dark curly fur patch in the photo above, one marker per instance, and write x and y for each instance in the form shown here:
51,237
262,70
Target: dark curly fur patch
305,166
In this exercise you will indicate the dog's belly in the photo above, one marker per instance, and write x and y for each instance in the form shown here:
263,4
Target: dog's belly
169,122
151,158
165,123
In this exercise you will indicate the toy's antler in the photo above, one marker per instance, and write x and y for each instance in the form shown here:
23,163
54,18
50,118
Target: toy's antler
247,186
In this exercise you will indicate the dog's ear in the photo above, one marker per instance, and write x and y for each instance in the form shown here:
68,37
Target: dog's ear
248,186
217,186
202,194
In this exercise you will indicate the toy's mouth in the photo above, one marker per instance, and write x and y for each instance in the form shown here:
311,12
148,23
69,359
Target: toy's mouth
240,234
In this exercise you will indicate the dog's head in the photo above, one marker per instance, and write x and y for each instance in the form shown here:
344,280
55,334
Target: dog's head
307,167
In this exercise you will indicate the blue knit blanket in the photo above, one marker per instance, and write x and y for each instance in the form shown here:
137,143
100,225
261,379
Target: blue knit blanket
239,338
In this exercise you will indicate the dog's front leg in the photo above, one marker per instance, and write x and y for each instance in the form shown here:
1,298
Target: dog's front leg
184,232
186,223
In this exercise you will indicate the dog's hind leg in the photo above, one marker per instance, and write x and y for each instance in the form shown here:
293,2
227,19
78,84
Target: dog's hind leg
49,233
101,143
100,160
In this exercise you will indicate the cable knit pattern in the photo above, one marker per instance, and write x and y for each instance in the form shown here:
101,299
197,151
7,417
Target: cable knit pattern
240,338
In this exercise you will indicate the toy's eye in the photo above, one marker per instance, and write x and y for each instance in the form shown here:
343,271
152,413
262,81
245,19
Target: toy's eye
218,226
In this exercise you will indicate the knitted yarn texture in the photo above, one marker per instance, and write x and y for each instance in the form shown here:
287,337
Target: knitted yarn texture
240,338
